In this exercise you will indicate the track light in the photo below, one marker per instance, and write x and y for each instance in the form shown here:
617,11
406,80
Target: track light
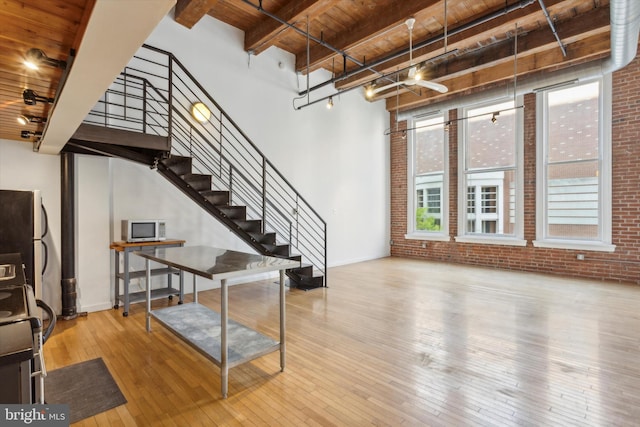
32,98
35,57
200,112
25,119
330,103
28,134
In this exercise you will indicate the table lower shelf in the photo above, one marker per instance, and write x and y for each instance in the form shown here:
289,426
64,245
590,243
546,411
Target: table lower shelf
200,327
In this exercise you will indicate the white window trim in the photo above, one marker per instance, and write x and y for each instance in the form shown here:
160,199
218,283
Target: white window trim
605,245
412,233
517,239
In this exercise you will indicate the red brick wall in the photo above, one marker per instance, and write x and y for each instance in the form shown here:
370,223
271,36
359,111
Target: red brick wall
623,265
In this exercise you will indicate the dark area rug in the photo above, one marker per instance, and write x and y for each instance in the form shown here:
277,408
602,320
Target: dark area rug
87,387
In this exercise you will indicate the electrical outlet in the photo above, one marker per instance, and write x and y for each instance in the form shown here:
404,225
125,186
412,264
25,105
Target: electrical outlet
424,245
580,257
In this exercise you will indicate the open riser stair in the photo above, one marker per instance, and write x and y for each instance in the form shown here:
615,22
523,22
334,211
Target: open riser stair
177,169
213,162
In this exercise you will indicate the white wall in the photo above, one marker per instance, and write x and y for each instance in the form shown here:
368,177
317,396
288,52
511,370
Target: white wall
338,160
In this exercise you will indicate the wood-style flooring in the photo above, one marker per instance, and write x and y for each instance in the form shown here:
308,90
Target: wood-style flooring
391,342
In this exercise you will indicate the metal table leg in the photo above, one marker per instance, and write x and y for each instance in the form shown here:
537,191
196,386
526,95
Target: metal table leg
283,346
224,368
127,251
116,268
147,285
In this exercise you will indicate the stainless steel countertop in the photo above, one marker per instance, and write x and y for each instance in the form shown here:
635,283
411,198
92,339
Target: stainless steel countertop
216,263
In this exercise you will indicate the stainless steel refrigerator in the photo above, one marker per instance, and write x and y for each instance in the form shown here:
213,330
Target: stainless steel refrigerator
21,231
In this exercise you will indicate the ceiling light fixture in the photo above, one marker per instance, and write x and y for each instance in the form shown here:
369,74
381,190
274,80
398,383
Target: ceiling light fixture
28,134
368,91
200,112
35,57
31,97
25,119
330,103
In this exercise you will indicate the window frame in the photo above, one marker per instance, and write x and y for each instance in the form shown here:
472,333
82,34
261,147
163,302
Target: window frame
604,244
412,232
517,239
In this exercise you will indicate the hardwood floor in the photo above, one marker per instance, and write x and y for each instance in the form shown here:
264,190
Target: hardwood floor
391,342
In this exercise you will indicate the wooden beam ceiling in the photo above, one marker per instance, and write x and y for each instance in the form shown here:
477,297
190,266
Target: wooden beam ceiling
351,33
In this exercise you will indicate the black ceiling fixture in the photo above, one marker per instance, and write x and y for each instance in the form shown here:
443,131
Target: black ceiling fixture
31,97
26,134
35,57
25,119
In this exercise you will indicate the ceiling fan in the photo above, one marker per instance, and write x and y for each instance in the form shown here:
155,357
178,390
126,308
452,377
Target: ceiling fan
414,77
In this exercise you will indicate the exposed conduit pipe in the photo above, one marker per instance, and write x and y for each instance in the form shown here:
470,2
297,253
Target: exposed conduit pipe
504,11
553,27
321,42
625,28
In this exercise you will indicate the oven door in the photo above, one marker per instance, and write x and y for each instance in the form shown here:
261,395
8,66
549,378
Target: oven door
16,355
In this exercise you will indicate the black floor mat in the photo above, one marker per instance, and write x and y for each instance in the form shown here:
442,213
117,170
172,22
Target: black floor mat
87,387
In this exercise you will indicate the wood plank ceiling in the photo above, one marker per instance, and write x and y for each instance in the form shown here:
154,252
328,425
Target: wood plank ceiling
362,42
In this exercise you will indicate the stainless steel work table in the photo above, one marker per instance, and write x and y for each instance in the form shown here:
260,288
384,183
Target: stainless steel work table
223,341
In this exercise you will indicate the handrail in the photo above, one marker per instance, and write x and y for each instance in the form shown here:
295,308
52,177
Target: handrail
154,94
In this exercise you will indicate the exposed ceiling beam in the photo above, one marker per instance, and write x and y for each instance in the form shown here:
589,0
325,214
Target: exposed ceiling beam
360,32
596,21
256,39
581,51
189,12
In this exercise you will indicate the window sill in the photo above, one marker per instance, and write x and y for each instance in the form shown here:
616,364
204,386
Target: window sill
436,237
575,245
486,240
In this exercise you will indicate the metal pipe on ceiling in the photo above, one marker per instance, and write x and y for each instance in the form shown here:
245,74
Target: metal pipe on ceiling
625,30
504,11
625,27
320,41
553,27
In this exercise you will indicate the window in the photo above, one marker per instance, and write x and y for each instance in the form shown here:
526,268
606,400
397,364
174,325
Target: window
427,165
490,160
491,176
574,206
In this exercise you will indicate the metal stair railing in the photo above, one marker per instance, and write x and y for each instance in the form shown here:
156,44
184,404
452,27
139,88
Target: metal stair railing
154,95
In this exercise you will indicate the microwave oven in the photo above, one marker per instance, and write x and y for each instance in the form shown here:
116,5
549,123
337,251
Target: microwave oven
143,230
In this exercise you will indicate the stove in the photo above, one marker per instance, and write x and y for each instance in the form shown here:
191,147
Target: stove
21,360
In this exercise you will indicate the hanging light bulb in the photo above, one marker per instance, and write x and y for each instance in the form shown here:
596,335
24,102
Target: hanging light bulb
494,117
330,103
368,92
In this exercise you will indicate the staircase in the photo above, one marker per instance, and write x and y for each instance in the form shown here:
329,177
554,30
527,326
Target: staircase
214,163
179,171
